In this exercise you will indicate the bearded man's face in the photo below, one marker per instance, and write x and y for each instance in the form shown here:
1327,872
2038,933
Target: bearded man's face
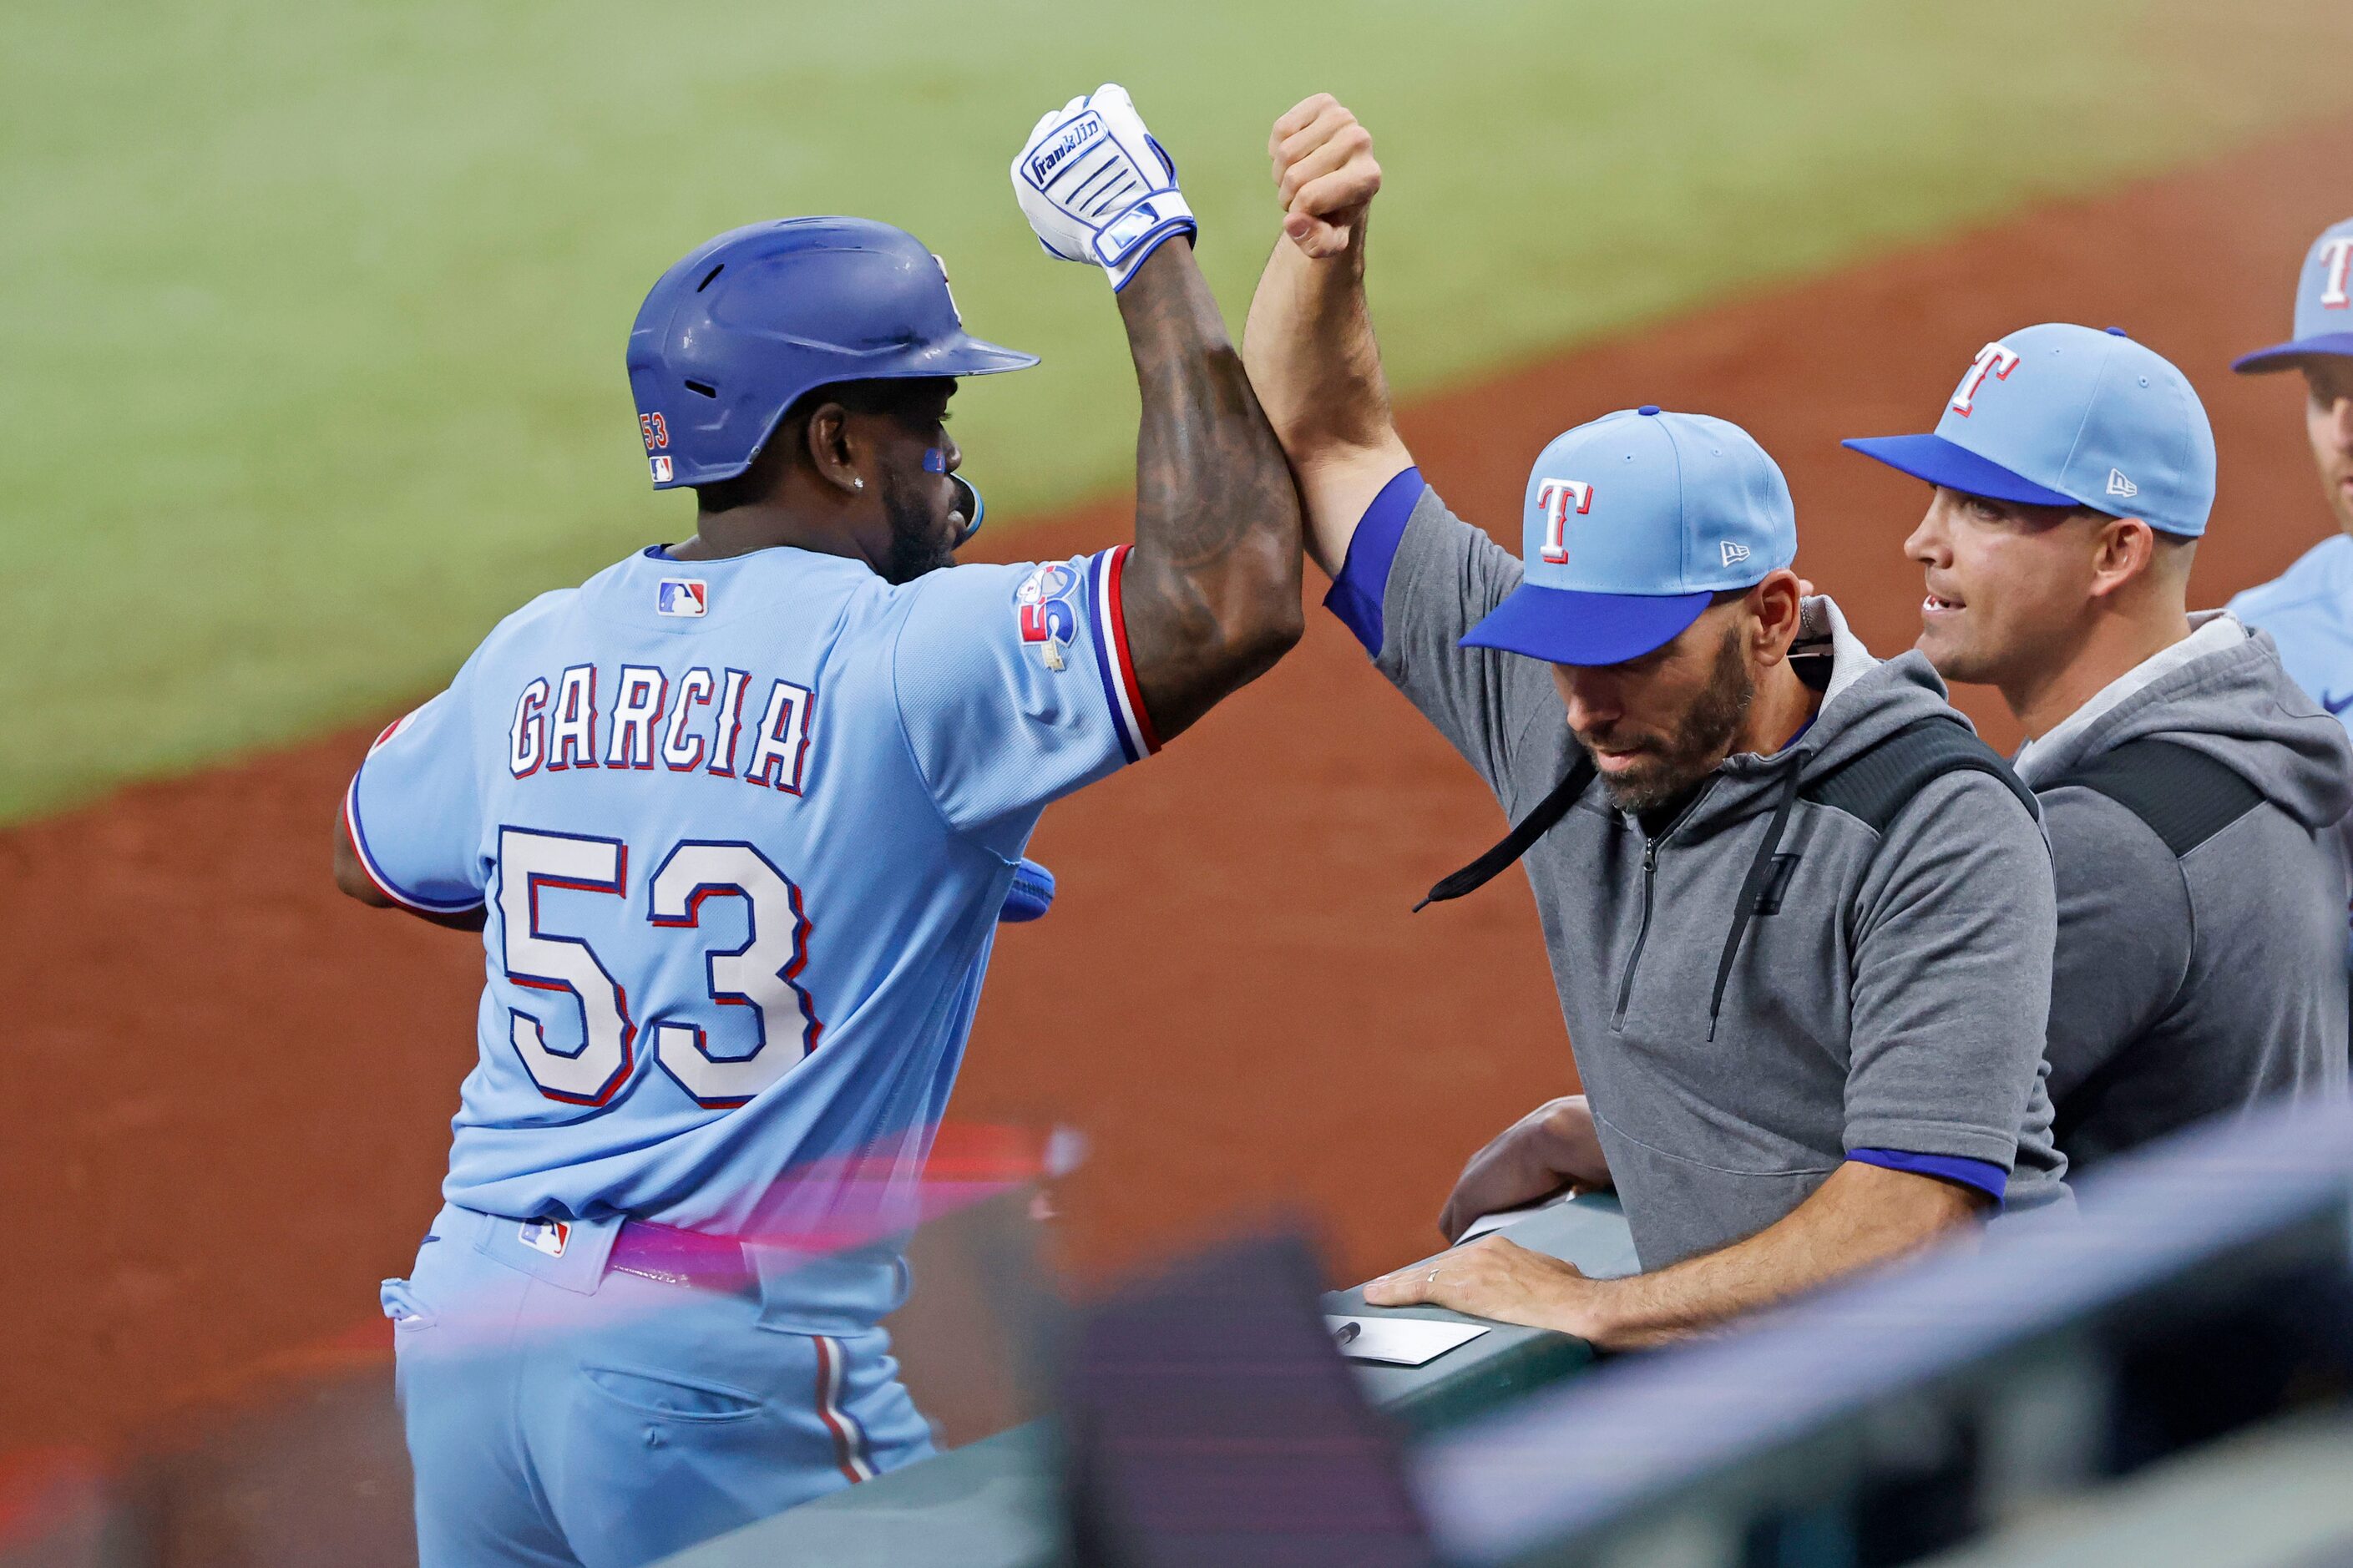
1659,724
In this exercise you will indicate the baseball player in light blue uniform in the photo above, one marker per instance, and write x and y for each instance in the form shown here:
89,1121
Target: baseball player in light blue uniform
736,819
2308,609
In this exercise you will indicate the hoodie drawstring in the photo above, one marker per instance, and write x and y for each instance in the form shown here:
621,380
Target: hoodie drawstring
1752,886
1538,822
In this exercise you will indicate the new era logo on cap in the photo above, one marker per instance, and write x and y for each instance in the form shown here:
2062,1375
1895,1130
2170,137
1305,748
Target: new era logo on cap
2120,486
682,596
1733,554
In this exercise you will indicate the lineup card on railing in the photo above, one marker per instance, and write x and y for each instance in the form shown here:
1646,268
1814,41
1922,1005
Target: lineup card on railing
1398,1342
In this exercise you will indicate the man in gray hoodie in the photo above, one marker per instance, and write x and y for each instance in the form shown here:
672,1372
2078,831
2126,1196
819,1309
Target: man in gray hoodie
1798,916
2187,783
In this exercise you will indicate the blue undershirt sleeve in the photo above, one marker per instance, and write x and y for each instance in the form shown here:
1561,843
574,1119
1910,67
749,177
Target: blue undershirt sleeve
1983,1175
1357,593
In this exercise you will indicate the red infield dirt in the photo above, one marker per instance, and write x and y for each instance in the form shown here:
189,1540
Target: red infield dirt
230,1089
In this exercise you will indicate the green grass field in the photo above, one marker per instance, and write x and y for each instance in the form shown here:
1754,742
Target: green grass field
311,315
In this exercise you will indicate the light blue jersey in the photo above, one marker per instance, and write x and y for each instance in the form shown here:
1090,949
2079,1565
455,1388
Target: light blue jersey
742,828
2308,610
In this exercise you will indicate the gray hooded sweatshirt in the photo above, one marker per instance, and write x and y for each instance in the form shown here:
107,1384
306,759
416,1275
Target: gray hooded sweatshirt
1889,994
2196,980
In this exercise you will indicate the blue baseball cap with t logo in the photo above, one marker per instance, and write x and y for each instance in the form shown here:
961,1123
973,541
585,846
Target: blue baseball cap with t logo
1631,525
2064,415
2324,306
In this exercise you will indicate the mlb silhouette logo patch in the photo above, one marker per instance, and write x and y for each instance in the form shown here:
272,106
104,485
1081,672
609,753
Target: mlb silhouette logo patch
664,469
548,1236
682,596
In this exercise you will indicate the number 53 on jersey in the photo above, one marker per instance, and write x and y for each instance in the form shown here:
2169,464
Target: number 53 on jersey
761,976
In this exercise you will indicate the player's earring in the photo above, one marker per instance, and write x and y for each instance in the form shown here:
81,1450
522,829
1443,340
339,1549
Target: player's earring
857,484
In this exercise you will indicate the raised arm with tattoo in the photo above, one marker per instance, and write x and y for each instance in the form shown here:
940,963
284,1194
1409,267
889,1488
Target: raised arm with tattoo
1212,586
1309,341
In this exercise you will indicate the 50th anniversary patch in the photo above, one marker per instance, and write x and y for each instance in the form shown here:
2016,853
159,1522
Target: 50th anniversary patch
1043,606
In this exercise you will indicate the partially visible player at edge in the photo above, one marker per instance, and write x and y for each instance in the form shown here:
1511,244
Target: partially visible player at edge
2308,608
736,818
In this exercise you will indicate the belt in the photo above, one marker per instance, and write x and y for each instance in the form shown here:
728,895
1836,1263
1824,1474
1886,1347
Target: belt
687,1258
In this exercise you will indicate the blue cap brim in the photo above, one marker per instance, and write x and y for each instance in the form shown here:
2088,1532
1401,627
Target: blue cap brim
1561,626
1941,462
2287,357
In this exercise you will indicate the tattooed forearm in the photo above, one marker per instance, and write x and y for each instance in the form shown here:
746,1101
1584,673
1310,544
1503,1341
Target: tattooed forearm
1212,586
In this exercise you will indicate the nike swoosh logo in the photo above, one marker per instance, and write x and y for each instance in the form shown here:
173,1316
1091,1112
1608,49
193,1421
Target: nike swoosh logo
2336,704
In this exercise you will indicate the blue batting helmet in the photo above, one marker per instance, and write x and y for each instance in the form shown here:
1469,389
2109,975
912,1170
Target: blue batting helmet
753,319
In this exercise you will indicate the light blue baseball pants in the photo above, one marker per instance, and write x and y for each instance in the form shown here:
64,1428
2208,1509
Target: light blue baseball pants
562,1414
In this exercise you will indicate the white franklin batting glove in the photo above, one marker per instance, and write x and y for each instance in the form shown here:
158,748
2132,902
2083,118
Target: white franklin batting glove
1097,188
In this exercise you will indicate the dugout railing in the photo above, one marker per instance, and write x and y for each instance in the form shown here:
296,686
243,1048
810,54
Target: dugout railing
2203,1290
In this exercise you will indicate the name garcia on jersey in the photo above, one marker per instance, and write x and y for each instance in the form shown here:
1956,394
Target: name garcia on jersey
642,719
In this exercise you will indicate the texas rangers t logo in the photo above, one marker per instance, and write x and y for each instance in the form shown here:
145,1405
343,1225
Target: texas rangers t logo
1558,498
1994,360
2335,263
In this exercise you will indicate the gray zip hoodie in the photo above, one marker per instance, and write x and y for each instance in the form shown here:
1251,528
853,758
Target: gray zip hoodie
1889,994
2196,983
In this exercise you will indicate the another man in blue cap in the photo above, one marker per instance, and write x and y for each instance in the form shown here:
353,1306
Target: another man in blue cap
2309,609
1800,917
2188,786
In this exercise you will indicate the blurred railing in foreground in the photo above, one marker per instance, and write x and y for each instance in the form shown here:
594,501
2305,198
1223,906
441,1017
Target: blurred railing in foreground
2049,1394
2166,1379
